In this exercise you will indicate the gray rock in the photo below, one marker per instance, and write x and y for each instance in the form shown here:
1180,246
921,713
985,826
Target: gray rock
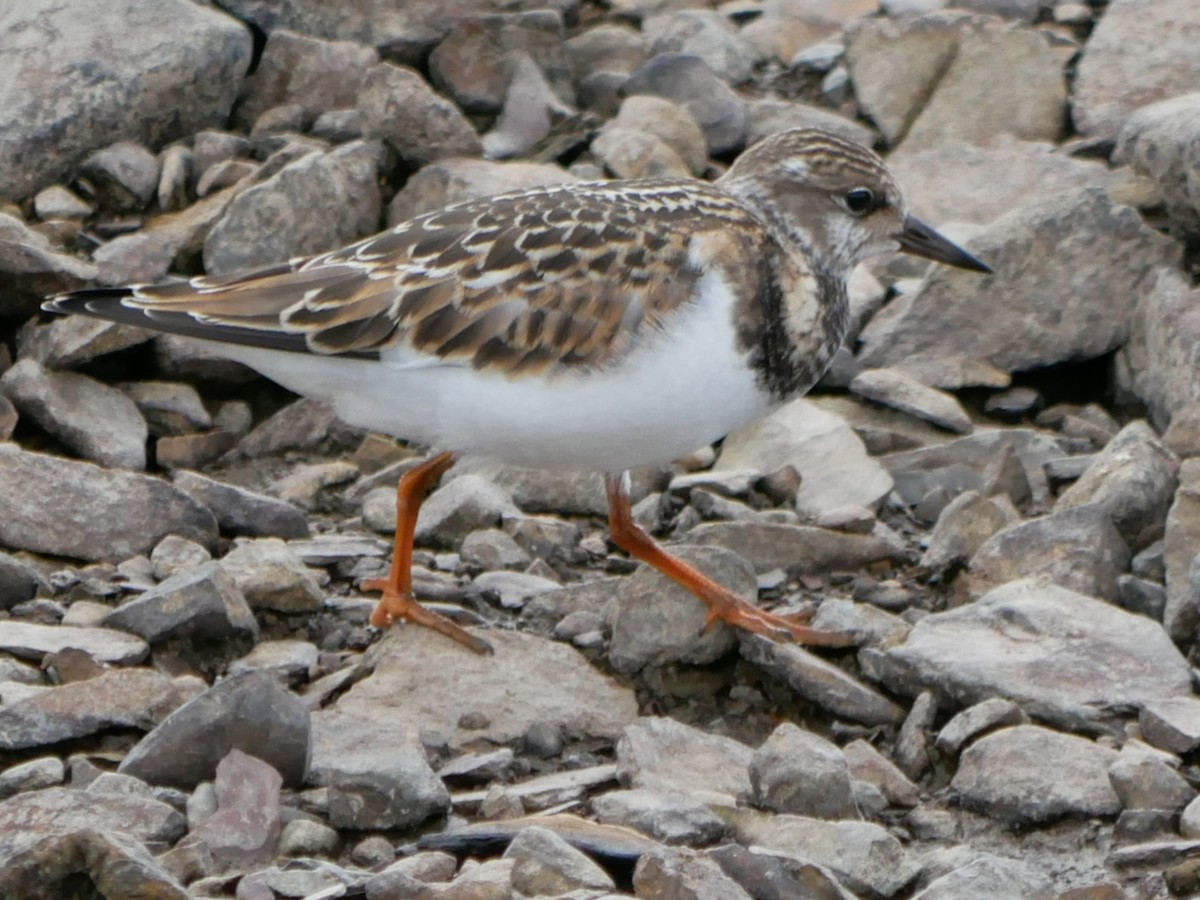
1143,780
670,817
768,546
57,202
375,772
975,720
1138,53
97,421
317,74
1172,724
896,388
56,859
704,33
459,507
491,548
989,876
271,577
304,837
777,876
1138,595
396,106
454,179
33,268
1133,479
912,751
670,122
343,182
628,153
115,699
964,526
243,512
834,468
796,771
545,864
531,108
1182,612
145,86
605,48
1071,658
1159,141
772,115
66,810
688,81
514,588
1077,548
33,641
1156,362
475,63
821,681
863,856
67,508
683,874
168,407
1071,302
123,176
174,554
656,621
494,698
18,582
661,754
1028,774
43,772
869,766
251,712
202,603
244,829
291,660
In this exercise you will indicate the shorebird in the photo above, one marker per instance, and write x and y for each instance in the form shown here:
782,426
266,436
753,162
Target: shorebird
589,326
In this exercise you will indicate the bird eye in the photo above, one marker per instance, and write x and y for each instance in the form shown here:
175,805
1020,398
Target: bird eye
860,200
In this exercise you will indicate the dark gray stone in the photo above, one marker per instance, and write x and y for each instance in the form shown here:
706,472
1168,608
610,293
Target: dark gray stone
243,512
203,603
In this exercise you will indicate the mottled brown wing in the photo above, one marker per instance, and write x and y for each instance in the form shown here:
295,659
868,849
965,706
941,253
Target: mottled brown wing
564,276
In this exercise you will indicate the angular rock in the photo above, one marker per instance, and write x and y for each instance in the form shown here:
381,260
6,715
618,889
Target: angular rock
253,713
290,660
375,772
863,856
66,810
29,640
545,864
974,720
245,828
628,153
122,176
768,546
459,507
18,582
661,754
1028,774
688,81
1159,141
271,577
834,468
870,766
34,775
514,588
114,865
656,622
1078,548
1157,363
397,106
896,388
685,874
1172,725
703,33
343,182
174,554
495,698
964,526
1064,658
118,698
777,876
1134,479
987,876
1139,52
1143,780
796,771
772,115
673,818
1070,302
202,603
97,421
243,512
176,73
66,508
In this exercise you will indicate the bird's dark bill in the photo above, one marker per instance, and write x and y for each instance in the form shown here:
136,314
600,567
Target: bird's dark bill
919,239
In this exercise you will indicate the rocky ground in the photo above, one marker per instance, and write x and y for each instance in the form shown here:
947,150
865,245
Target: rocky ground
997,487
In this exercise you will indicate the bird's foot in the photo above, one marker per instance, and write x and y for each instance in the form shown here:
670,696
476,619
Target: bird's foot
731,609
395,605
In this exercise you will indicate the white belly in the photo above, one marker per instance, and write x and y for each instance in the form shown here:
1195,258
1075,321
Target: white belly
679,390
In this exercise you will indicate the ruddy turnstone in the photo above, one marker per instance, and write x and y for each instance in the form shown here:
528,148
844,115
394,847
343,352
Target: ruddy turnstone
592,326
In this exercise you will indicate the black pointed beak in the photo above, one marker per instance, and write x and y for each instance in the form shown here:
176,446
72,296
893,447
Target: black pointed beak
919,239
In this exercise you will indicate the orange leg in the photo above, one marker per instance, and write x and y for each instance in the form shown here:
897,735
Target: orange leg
397,601
723,604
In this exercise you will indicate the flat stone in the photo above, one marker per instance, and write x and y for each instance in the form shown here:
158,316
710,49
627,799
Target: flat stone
118,698
243,512
1072,302
821,682
768,546
291,660
863,856
66,508
47,771
975,720
251,712
777,875
1063,657
656,621
834,468
1172,724
964,526
796,771
870,766
245,828
528,679
671,817
896,388
986,875
1078,548
661,754
514,588
95,420
66,810
203,603
1028,774
271,577
32,641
